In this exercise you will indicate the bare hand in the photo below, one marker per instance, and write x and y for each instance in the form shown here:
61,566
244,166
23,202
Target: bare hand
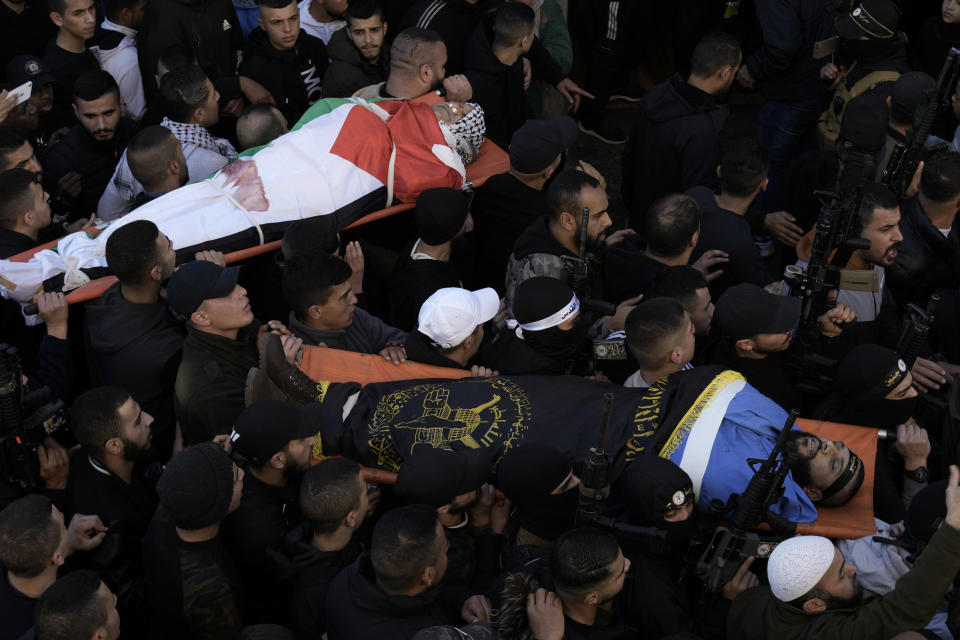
224,441
395,353
617,320
503,314
233,108
545,615
572,92
81,224
499,515
373,499
914,186
70,184
53,310
278,328
480,513
85,533
781,225
457,88
927,375
776,288
912,444
254,92
741,581
353,255
897,529
745,78
54,464
216,257
953,498
527,74
618,236
482,372
951,370
831,321
292,349
7,103
705,264
834,73
476,609
592,171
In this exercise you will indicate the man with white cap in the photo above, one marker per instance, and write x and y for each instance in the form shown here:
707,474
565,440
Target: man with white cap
814,592
450,328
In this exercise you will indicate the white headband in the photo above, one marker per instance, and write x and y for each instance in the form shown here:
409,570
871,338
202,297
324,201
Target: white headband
555,319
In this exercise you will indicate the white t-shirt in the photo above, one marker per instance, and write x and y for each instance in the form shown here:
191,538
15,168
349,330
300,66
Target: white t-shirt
322,30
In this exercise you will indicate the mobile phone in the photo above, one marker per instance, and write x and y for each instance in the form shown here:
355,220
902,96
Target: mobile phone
22,92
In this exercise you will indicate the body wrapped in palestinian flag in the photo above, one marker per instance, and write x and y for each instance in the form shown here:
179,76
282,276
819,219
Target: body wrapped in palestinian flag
344,158
707,420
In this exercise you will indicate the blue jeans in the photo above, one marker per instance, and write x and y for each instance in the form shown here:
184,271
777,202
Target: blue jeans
786,132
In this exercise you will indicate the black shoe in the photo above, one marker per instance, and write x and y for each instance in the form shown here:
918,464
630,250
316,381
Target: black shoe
288,379
627,94
603,132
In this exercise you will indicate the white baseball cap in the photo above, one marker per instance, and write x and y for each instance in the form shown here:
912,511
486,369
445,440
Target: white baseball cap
450,315
797,564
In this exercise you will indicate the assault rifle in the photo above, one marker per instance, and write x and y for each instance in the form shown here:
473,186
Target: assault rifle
734,543
580,276
906,157
595,488
915,341
26,419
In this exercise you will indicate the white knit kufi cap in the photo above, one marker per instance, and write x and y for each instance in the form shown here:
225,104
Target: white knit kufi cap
797,565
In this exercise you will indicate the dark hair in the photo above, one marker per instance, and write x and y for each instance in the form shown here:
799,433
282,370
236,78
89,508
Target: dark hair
564,193
743,166
149,152
112,8
513,21
71,608
940,179
57,6
132,251
681,283
715,51
328,492
799,464
10,141
309,279
28,535
875,196
183,90
412,48
93,85
671,224
259,124
310,235
15,195
581,559
95,416
274,4
176,56
362,10
404,543
649,325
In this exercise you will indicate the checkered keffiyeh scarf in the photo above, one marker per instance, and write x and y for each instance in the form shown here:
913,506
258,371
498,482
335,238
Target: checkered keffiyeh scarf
467,134
198,136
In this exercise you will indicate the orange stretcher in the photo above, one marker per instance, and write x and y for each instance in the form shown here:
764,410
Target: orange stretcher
490,161
853,520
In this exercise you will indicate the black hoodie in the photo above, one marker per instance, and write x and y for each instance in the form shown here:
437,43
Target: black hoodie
454,20
293,77
673,147
309,573
357,609
496,87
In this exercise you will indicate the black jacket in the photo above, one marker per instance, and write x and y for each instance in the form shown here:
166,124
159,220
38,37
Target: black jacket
628,271
95,162
349,70
926,261
673,146
784,67
766,374
136,346
209,29
496,87
412,282
307,574
502,208
454,20
358,610
293,77
725,230
25,32
419,349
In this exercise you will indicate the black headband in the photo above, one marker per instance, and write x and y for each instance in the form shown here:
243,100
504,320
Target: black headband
853,468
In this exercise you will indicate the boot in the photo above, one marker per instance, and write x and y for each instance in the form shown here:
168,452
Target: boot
260,388
292,382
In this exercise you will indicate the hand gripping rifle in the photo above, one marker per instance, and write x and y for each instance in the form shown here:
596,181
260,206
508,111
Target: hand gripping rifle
915,341
580,276
734,543
595,488
906,157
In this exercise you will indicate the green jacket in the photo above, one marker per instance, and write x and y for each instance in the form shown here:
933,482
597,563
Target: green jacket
757,614
211,381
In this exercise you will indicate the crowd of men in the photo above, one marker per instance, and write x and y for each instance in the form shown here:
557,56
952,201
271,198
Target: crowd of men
190,491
